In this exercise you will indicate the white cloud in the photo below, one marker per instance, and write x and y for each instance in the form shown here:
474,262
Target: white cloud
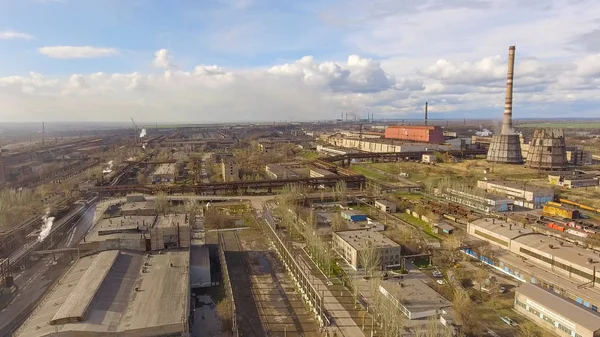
300,90
13,35
77,52
162,59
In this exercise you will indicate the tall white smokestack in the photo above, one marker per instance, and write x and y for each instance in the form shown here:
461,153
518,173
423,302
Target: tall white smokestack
507,127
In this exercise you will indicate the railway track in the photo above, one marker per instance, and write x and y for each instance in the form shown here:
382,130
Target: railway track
261,283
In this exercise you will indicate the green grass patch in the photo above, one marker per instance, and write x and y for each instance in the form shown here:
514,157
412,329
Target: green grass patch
418,222
361,169
309,155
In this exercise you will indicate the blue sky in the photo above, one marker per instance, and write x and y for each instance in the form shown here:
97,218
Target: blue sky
271,60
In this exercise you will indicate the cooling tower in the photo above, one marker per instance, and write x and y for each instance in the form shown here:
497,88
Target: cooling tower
506,146
547,150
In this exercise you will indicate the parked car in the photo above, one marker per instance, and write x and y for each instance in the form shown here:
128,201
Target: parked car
502,290
437,274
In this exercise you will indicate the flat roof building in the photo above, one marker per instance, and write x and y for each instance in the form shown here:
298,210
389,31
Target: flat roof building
116,293
350,245
555,313
138,233
524,195
277,171
479,199
385,205
573,179
548,252
321,173
230,170
418,133
413,297
164,173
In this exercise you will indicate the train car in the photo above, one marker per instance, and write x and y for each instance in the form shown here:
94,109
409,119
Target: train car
555,227
577,233
560,211
580,205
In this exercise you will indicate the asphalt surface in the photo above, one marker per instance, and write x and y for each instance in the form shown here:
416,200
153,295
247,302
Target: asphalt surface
33,282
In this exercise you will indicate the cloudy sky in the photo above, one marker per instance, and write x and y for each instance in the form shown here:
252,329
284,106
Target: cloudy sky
244,60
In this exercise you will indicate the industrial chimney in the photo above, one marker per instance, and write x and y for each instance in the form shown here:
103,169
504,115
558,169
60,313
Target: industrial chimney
507,128
506,146
425,113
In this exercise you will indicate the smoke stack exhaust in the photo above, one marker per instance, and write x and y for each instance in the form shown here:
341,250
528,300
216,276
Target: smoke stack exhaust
425,113
507,127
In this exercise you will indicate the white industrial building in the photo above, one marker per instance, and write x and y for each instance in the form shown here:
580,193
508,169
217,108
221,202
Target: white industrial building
349,245
555,313
479,199
277,171
523,195
561,257
384,145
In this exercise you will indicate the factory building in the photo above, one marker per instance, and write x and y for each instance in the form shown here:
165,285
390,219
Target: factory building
555,209
334,151
479,199
165,173
139,233
116,293
505,147
351,243
416,133
523,195
277,171
386,206
384,145
560,257
414,298
573,179
547,150
321,173
229,170
555,313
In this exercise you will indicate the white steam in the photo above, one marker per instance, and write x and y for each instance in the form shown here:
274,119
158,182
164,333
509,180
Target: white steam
484,133
109,167
46,226
143,133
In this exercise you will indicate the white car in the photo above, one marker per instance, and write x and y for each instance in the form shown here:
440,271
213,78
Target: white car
437,274
440,281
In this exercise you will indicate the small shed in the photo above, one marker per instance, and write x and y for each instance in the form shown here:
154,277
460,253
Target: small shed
444,227
354,216
428,158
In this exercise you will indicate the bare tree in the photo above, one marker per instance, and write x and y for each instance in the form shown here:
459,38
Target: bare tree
481,275
338,223
370,259
162,203
466,312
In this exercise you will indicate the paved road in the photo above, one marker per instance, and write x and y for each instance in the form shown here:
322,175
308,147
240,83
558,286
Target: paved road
33,282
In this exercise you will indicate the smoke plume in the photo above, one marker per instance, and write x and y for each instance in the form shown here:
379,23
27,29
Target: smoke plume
109,167
484,133
143,133
46,226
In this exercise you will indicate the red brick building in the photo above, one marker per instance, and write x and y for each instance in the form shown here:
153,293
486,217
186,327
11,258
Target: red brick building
416,133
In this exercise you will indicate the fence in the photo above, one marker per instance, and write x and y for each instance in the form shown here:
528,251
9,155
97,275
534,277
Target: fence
311,296
228,288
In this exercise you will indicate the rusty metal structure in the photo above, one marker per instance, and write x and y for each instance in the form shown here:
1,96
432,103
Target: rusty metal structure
547,150
506,146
